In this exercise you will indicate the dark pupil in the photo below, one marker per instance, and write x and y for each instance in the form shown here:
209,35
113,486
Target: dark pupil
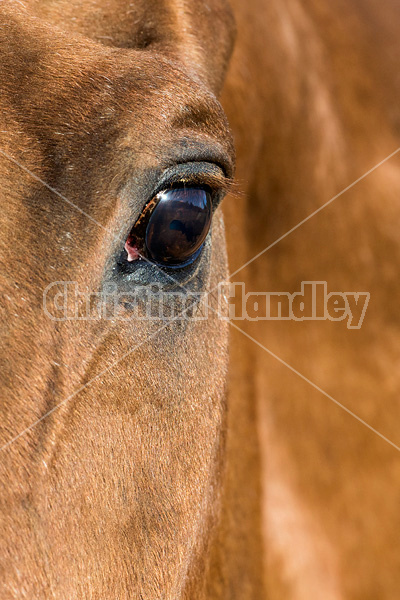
179,225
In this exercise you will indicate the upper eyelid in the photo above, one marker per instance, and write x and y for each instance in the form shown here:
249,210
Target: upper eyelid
195,174
215,183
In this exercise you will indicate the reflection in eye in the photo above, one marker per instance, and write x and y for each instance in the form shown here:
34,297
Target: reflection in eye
175,229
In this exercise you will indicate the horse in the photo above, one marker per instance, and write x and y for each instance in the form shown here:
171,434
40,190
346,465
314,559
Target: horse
183,455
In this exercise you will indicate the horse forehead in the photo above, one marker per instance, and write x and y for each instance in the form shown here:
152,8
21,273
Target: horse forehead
196,34
177,53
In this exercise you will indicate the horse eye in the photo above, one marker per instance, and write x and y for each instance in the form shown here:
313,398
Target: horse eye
174,227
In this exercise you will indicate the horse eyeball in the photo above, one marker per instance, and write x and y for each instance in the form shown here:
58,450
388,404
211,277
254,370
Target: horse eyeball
178,226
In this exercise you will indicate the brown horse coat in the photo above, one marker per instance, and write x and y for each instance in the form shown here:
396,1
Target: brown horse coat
142,484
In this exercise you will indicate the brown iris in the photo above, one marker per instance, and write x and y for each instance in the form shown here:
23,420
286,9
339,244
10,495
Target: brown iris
172,228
